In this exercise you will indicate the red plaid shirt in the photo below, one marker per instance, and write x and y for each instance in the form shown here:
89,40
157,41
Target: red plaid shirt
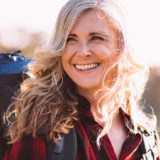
87,129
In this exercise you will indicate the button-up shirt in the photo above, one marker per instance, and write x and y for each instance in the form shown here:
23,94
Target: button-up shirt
87,130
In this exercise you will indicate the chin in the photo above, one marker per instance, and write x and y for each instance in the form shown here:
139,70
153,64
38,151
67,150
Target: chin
88,87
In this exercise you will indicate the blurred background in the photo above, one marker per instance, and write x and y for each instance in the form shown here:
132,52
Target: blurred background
26,24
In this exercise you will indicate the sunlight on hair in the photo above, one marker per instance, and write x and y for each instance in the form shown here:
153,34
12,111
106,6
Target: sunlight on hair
141,15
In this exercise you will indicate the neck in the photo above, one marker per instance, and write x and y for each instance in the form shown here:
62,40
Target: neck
90,95
93,97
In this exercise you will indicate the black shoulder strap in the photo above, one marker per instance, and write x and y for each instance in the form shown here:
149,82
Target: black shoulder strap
66,149
149,147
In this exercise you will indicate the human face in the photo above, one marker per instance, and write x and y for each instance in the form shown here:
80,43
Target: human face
90,49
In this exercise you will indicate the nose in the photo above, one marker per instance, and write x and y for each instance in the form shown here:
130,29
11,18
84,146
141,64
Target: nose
84,50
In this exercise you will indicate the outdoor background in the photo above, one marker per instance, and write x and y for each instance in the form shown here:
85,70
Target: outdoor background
26,24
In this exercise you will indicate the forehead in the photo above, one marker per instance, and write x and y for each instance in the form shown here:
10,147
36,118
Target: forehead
92,19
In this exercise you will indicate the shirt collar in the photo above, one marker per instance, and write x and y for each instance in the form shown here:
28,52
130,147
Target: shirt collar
127,120
85,106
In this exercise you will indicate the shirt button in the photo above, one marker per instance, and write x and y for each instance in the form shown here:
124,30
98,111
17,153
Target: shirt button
99,131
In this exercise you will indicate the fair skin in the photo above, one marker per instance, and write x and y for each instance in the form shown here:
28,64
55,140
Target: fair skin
91,48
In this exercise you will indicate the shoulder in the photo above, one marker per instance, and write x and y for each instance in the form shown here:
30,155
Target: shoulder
28,148
38,148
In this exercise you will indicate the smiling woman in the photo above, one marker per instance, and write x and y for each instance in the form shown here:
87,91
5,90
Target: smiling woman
81,100
92,47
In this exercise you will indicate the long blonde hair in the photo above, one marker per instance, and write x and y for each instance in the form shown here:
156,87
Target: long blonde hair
48,99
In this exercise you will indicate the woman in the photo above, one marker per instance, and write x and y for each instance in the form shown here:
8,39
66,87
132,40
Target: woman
81,100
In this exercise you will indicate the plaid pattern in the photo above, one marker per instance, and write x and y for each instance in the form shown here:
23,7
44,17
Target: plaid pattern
27,149
87,130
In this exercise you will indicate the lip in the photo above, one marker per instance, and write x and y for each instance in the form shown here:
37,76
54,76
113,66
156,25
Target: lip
86,71
86,63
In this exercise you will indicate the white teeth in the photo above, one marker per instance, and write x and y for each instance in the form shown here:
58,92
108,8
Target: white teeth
86,67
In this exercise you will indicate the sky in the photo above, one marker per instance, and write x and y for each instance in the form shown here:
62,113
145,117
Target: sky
40,15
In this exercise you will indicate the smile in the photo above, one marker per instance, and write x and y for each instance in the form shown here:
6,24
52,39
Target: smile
86,67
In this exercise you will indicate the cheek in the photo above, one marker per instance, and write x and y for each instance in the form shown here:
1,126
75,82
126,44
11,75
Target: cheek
70,48
102,51
66,61
66,55
108,57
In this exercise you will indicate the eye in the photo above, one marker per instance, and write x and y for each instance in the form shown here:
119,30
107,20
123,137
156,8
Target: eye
97,38
71,39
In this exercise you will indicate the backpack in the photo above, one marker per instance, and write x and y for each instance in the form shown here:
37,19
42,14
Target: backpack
12,71
149,147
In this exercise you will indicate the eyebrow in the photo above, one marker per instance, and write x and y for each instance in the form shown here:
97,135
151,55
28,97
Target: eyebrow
91,34
72,35
99,33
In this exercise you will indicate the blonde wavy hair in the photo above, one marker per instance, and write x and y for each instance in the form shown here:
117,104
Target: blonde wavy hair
48,99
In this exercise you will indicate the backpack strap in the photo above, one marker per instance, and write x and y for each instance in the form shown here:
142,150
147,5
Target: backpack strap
148,146
66,149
